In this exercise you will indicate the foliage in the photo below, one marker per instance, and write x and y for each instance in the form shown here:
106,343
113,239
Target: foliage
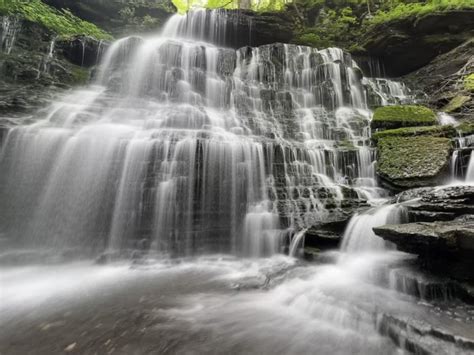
333,27
256,5
63,22
418,9
403,116
129,16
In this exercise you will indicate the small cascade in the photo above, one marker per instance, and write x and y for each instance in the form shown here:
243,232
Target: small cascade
470,169
83,46
297,242
47,59
200,25
262,234
9,31
359,236
388,92
444,119
462,162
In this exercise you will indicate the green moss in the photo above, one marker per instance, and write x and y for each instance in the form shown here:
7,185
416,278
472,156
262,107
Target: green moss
80,75
418,9
402,158
346,145
403,116
469,82
466,128
456,103
433,131
64,23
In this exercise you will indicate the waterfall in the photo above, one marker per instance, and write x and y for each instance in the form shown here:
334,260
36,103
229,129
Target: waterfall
46,61
296,241
470,169
445,119
359,235
9,31
185,147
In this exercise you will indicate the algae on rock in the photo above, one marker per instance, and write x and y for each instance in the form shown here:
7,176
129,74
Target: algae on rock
406,162
447,131
388,117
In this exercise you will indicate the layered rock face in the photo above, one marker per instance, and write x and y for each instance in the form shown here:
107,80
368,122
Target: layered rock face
408,44
120,17
441,229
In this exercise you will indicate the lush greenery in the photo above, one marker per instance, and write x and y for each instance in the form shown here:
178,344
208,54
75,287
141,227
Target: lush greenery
417,9
434,131
63,22
412,157
257,5
403,116
343,22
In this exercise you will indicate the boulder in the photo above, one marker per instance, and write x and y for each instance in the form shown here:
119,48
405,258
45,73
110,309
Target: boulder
434,203
446,247
408,162
447,237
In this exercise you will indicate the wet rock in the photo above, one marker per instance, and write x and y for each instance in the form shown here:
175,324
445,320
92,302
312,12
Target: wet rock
452,237
433,203
82,50
441,81
409,43
408,162
447,246
37,65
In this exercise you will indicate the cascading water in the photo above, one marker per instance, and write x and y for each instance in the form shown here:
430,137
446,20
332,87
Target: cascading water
186,147
9,31
182,147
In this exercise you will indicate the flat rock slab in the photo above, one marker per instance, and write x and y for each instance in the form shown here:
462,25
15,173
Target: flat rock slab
452,237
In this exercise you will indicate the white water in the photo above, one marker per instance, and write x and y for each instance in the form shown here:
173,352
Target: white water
470,169
359,236
445,119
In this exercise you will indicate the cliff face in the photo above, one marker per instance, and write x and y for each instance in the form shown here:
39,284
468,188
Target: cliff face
35,63
408,44
120,17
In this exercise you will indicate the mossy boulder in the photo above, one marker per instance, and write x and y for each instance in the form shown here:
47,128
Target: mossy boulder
407,162
389,117
456,103
433,131
465,128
